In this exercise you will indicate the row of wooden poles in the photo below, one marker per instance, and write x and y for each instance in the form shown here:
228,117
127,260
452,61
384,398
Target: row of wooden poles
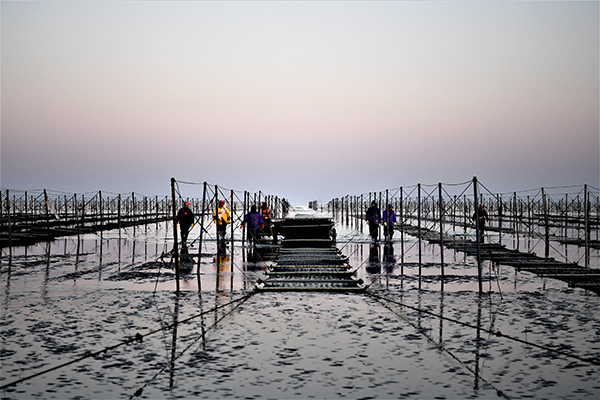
238,203
33,210
575,217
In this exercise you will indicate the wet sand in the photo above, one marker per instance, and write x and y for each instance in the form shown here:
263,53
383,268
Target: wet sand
62,304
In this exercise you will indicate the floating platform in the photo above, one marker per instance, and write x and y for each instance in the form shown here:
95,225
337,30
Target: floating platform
571,273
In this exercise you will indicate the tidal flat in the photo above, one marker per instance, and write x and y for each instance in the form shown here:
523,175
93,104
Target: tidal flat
99,318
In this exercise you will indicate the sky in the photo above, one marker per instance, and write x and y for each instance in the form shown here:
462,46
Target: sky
300,99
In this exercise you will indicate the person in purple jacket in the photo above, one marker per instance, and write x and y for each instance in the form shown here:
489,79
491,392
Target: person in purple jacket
255,221
389,220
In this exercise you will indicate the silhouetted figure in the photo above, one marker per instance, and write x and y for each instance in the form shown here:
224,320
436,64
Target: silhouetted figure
480,217
389,220
373,217
185,219
254,222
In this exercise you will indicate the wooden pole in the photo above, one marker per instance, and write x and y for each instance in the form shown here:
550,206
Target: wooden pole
479,270
101,212
119,212
379,230
546,225
516,216
175,238
401,232
362,212
2,210
9,228
232,205
47,214
26,212
215,211
201,229
586,215
387,200
419,225
440,205
500,220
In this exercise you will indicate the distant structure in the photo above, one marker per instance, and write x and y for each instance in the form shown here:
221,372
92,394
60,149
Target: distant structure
313,205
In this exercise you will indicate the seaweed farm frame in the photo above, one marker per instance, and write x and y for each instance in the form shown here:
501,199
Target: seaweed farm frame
96,305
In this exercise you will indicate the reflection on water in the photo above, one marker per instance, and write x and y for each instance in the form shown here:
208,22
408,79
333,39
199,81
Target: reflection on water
73,296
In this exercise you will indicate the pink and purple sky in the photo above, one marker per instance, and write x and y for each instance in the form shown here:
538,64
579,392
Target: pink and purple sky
304,100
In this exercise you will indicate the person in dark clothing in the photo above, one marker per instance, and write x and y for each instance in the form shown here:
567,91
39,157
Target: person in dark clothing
389,220
185,219
266,216
481,217
254,221
285,207
373,218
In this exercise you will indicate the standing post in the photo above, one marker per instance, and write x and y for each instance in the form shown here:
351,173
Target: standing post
546,226
232,219
379,230
119,212
529,220
26,212
475,197
387,200
500,220
419,224
244,212
440,205
215,212
362,212
76,215
156,210
401,232
566,215
586,215
454,214
175,238
9,228
101,213
465,213
47,213
516,216
201,229
133,215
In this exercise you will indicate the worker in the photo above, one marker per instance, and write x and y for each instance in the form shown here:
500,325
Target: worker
266,216
185,219
373,217
221,215
389,219
481,217
255,221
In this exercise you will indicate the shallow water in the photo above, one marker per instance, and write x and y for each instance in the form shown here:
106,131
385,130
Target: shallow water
405,338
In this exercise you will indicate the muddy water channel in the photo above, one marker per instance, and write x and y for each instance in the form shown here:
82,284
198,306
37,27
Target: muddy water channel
99,318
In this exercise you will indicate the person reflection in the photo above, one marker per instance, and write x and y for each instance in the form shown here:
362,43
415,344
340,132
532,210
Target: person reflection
374,265
222,270
389,259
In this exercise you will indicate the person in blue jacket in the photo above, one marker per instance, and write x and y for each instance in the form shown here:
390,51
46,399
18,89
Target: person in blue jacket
255,221
374,218
389,220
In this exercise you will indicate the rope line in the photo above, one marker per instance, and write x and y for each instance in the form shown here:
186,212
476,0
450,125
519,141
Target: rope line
137,337
139,391
444,349
589,360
